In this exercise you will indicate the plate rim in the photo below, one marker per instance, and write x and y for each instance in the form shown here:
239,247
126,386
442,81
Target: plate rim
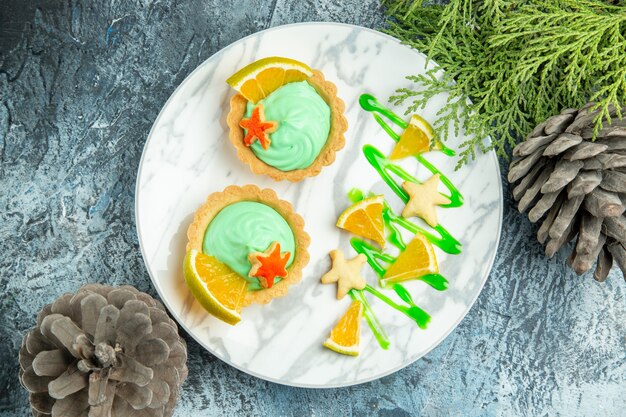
155,284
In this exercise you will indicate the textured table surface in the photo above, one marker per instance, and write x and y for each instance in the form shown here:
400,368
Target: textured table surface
81,83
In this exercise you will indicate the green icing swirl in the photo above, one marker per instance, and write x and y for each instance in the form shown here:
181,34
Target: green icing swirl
303,125
245,227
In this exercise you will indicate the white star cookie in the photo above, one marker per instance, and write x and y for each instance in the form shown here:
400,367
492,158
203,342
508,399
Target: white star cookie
424,200
347,274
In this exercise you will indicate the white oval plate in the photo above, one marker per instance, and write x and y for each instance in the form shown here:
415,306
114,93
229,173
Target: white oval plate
188,156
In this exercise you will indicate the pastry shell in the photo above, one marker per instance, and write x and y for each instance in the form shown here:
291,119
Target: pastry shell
336,141
233,194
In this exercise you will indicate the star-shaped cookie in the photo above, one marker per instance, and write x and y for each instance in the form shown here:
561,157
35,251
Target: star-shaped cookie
258,128
268,265
424,200
347,274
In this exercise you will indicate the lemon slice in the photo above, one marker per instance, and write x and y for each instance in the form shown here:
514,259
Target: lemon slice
260,78
217,288
417,259
346,335
365,219
415,139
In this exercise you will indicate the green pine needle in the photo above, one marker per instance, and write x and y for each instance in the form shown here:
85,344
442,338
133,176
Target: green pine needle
519,62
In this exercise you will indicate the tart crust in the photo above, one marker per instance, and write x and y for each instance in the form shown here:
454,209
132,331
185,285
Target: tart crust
233,194
338,125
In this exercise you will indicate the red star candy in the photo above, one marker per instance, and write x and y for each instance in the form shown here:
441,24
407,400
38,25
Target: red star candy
258,128
268,265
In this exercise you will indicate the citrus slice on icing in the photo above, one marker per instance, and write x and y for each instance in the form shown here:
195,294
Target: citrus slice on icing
415,139
365,219
346,335
417,259
260,78
217,288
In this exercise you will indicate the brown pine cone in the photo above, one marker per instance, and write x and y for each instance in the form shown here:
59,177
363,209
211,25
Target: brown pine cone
104,351
577,186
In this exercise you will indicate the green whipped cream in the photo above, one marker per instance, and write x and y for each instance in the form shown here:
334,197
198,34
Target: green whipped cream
245,227
303,125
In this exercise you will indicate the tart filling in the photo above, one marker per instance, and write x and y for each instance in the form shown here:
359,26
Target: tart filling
303,119
245,227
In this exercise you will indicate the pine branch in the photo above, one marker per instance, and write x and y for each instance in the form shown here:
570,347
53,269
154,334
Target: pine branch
518,61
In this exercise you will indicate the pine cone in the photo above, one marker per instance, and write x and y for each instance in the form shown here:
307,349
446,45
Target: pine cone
104,351
578,186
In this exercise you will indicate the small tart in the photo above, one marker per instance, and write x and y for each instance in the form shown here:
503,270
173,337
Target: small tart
234,194
338,125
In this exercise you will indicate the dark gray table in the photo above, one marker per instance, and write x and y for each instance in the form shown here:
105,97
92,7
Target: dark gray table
81,83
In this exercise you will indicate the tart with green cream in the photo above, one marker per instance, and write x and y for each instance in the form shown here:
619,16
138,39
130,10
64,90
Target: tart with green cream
286,120
245,246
